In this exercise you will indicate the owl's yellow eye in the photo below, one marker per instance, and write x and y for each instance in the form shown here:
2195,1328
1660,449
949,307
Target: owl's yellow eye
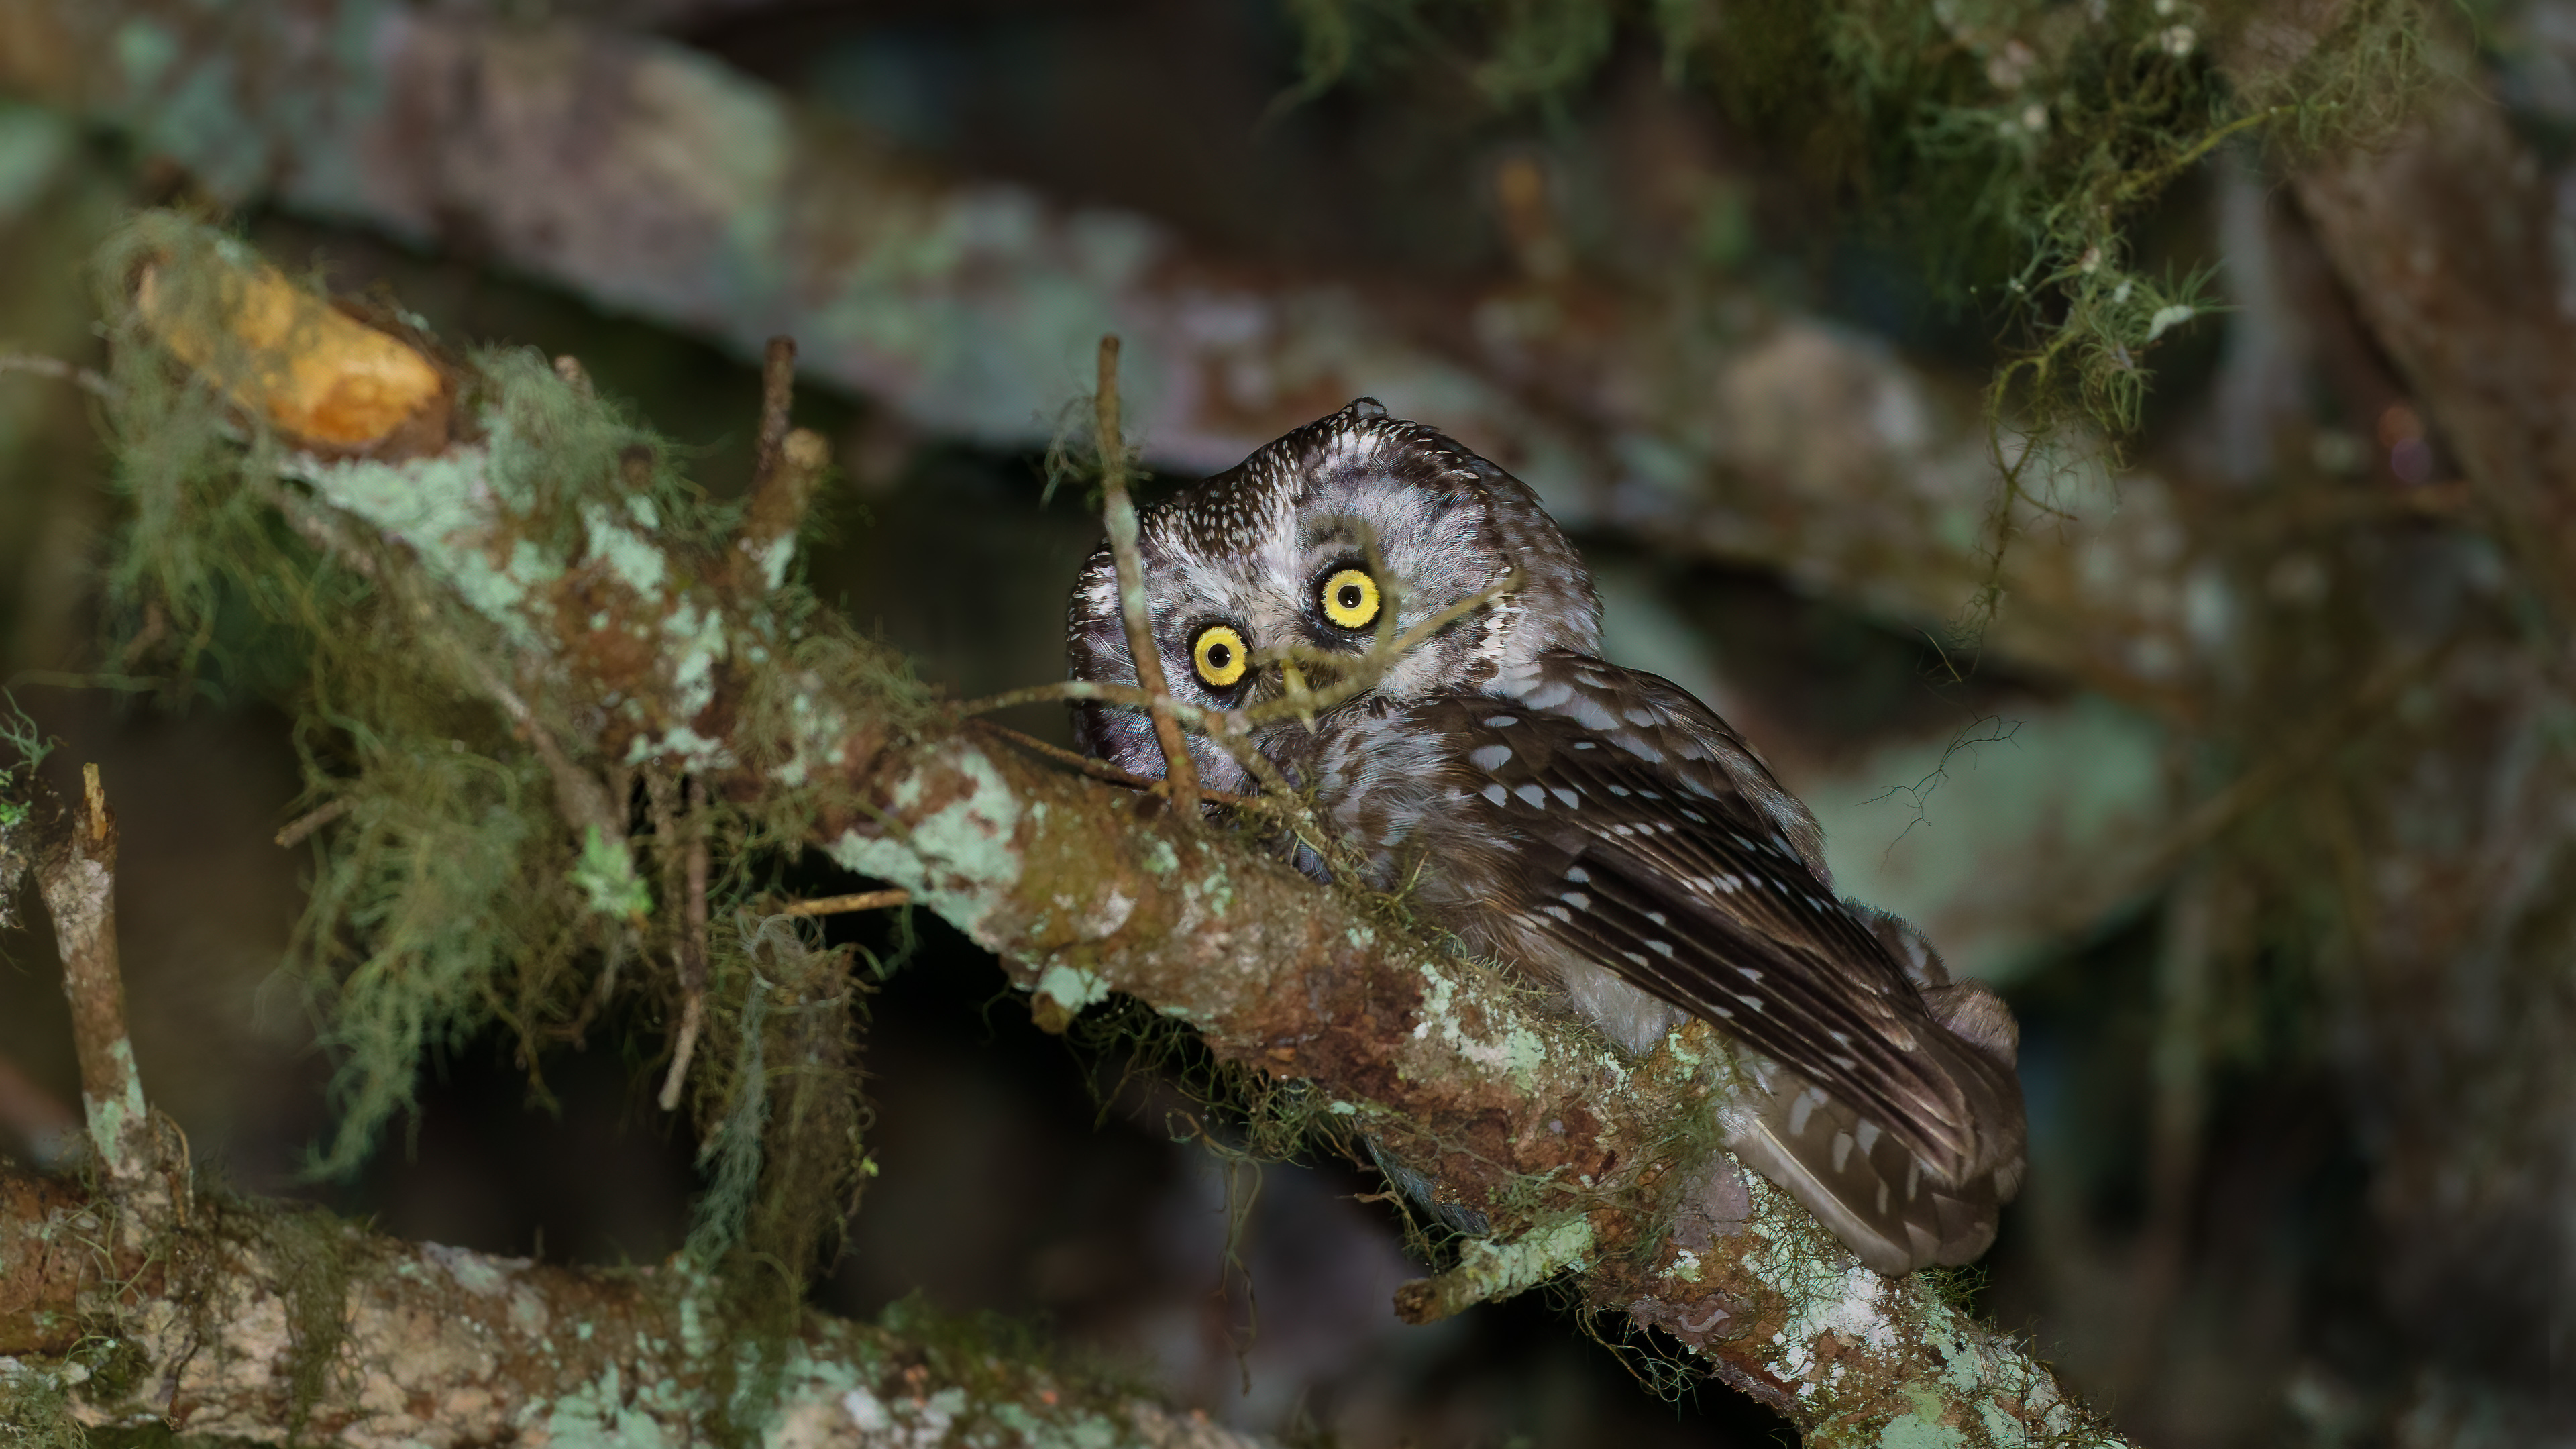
1350,598
1219,656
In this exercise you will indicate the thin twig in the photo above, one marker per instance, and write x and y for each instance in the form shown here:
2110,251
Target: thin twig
788,467
777,401
77,877
1119,512
843,905
59,370
312,820
1100,769
692,947
692,1016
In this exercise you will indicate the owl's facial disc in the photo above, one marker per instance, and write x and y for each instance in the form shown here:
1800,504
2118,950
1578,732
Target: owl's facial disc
1344,533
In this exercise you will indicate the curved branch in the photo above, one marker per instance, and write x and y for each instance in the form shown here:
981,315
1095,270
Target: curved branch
1581,1159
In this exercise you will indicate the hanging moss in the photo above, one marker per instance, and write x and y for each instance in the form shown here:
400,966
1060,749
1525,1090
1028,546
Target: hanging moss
34,1413
2012,146
468,881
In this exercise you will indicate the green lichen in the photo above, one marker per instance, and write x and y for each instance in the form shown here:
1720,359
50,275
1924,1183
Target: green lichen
1517,1054
1923,1428
960,857
605,874
109,1117
1072,987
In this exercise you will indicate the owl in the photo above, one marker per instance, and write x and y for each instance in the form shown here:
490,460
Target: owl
1596,829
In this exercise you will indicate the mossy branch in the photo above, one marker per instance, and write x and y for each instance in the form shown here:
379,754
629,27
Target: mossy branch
261,1323
808,736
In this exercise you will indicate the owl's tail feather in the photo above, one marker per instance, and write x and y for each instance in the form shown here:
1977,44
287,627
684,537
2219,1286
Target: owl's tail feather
1888,1205
1862,1183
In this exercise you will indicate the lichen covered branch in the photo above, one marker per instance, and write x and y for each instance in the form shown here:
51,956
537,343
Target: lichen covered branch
1573,1153
267,1324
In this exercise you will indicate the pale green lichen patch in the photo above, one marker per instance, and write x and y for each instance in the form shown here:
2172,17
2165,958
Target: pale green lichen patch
1923,1428
600,1415
109,1116
1517,1053
1488,1271
681,744
1161,859
631,557
443,507
605,874
698,645
962,858
1072,987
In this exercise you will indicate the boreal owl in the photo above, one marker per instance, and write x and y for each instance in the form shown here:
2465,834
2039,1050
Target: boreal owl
1595,828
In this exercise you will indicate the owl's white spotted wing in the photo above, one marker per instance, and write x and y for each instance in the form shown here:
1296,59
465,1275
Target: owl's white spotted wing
1651,845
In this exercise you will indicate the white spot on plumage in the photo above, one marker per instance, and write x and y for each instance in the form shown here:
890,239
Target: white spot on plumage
1490,758
1536,797
1559,912
1620,790
1589,713
1564,795
1661,948
1842,1149
1501,721
1578,875
1576,899
1800,1111
1494,793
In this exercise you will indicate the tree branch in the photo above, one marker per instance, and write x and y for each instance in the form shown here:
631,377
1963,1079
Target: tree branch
271,1324
1579,1158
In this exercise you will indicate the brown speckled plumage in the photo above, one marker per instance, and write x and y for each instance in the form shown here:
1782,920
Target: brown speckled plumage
1594,827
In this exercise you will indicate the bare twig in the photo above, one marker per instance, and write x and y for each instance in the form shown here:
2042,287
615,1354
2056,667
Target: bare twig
692,948
39,365
843,905
1119,512
1101,769
789,467
304,825
777,402
77,877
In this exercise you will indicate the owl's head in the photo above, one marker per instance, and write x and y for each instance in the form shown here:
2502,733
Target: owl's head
1277,550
